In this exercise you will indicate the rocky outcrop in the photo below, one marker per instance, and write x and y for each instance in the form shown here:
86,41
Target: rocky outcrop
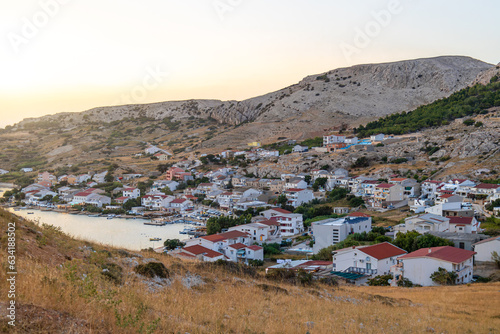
371,90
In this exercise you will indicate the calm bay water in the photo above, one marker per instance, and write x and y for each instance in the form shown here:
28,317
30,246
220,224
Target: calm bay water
118,232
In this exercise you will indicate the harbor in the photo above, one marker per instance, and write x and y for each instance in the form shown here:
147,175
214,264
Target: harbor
133,233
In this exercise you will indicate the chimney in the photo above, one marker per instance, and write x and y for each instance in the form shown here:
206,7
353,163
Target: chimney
430,250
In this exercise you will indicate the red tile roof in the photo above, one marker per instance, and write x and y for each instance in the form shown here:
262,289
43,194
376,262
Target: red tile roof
197,250
294,190
460,220
487,186
382,251
185,254
122,198
255,247
269,222
446,195
445,253
358,214
398,179
179,201
238,245
487,240
385,185
129,189
281,210
225,236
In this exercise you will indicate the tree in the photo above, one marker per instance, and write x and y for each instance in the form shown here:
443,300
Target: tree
271,249
173,244
109,177
361,162
167,191
131,203
320,182
337,194
412,240
443,277
307,178
496,258
281,200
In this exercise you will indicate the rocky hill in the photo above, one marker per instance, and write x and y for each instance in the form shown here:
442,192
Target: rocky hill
371,90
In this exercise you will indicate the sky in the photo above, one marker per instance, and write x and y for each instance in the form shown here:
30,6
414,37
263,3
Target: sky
73,55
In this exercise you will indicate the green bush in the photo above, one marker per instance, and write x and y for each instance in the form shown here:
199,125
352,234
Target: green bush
152,270
443,277
381,280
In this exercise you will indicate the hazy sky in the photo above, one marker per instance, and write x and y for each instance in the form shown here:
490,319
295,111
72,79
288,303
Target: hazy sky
73,55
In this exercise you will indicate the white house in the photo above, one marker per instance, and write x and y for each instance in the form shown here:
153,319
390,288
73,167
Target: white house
242,253
151,149
377,137
295,183
424,223
419,265
156,201
351,140
290,223
100,177
299,149
331,231
181,204
161,184
333,139
296,197
3,171
198,252
485,248
261,231
464,224
368,260
132,192
98,200
220,242
26,170
429,189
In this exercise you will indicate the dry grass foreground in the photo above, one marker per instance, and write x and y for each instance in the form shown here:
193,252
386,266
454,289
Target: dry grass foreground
62,288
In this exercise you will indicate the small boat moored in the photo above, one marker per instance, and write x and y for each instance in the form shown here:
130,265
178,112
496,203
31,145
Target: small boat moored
154,239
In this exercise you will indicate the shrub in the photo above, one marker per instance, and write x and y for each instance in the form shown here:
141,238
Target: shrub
443,277
255,263
469,122
405,283
113,272
152,270
173,243
381,280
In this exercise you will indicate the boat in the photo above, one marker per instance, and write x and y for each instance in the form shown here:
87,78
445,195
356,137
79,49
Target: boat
155,223
96,215
111,216
154,239
31,213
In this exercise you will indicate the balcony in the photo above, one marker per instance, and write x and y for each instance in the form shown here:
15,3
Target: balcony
359,270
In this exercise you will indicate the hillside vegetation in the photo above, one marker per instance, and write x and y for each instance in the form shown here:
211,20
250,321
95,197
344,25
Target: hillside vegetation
70,286
466,102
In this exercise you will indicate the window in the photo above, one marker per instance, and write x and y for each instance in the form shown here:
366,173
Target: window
461,245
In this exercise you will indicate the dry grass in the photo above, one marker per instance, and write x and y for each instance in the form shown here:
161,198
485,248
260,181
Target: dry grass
72,296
